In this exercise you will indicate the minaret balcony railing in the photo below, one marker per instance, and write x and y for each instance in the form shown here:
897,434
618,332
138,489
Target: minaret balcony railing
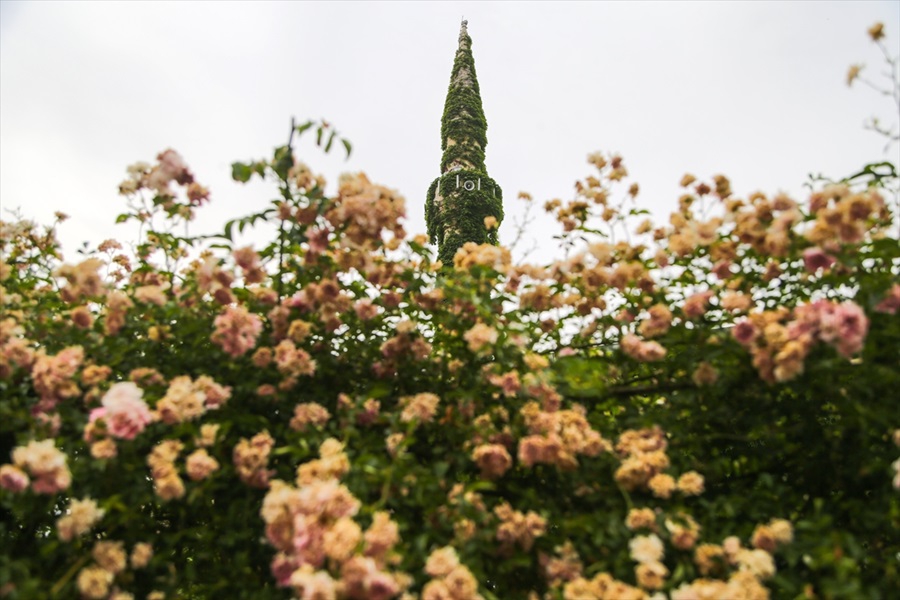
469,184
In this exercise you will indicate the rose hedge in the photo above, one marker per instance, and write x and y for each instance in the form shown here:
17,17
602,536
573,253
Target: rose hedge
704,409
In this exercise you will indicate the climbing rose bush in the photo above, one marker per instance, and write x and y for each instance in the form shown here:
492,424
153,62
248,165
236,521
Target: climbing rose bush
701,409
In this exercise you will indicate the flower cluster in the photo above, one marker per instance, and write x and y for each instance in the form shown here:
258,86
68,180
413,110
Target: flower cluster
844,216
602,586
199,464
648,551
565,565
236,330
644,459
780,341
15,350
40,464
82,280
493,460
658,322
331,464
110,559
314,523
167,483
123,413
117,306
743,568
214,280
641,350
891,301
170,168
186,400
480,336
309,413
406,343
248,260
451,579
329,301
517,528
79,518
54,376
729,570
420,408
251,459
301,176
558,437
363,210
493,257
293,362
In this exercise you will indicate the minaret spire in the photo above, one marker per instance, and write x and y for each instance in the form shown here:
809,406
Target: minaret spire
463,126
464,195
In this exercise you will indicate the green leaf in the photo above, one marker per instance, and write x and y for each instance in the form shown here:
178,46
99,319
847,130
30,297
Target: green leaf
283,161
241,172
347,146
330,141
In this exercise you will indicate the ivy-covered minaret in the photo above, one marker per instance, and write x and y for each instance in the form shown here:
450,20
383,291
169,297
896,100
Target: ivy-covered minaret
464,195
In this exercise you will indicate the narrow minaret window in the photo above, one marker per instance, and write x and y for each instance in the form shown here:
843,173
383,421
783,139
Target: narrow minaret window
464,195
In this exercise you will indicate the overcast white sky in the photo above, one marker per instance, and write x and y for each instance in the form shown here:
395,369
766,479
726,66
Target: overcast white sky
753,90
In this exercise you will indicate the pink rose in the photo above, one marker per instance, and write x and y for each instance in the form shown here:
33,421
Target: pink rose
493,460
13,479
745,332
891,301
126,413
696,305
640,350
815,258
283,566
722,269
852,326
236,330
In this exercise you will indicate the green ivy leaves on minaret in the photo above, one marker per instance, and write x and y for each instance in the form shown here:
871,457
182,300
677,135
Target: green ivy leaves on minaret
459,200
